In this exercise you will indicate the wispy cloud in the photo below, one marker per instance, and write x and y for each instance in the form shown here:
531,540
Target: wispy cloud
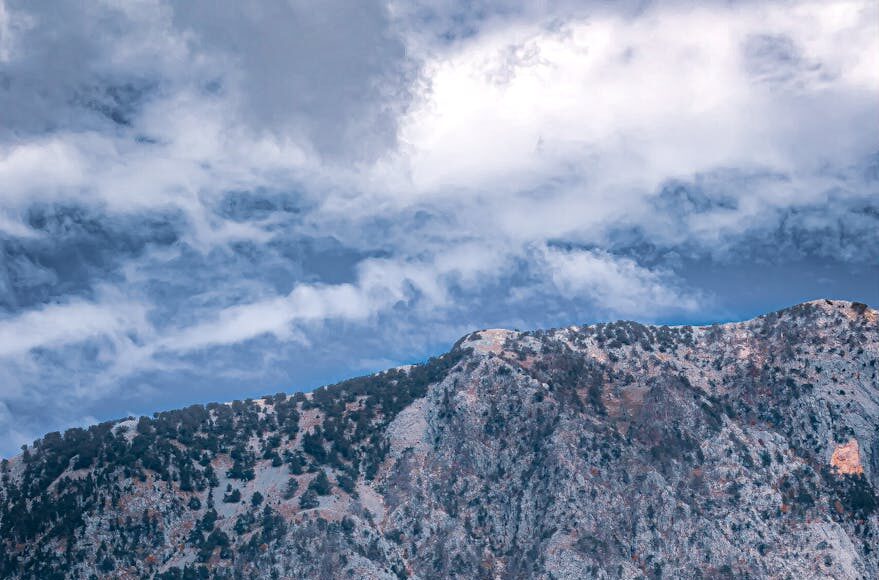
61,324
616,285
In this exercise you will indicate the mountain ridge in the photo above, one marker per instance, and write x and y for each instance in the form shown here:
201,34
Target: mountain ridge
497,459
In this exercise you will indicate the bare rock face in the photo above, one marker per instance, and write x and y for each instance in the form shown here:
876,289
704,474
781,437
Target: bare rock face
745,450
846,459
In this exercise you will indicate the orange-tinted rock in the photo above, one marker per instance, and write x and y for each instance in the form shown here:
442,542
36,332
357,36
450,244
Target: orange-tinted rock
846,459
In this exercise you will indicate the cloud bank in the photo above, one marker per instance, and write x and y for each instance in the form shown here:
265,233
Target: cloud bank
201,201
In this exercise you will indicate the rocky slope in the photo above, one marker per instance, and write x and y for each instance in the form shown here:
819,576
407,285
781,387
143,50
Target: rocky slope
608,451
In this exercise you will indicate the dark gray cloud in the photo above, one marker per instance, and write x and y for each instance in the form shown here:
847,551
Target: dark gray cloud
338,73
71,249
94,66
86,66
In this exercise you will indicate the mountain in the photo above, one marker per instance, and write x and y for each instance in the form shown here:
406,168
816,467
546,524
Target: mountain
743,450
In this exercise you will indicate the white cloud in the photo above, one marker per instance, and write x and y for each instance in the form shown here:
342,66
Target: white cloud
595,114
32,169
381,284
61,324
305,304
616,285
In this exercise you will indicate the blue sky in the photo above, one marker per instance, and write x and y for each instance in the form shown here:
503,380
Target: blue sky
203,201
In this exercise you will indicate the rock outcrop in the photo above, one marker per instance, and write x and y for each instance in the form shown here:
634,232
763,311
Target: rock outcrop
846,459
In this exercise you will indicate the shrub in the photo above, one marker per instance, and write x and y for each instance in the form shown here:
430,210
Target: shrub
309,500
321,484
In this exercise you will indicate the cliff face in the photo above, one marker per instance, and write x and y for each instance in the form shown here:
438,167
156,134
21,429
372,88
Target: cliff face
608,451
